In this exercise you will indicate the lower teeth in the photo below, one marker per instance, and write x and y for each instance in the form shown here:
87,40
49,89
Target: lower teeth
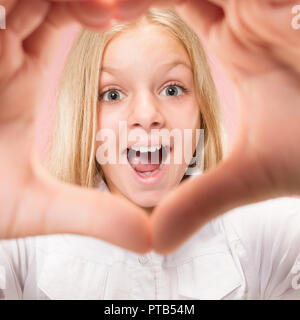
146,173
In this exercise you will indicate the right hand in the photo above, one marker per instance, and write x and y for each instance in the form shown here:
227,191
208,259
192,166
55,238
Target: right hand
33,202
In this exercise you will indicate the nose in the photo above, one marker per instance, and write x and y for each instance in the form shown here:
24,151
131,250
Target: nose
146,113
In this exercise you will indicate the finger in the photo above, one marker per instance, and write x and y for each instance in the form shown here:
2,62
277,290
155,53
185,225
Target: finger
7,44
201,15
26,16
220,3
50,207
93,14
46,38
271,22
237,181
8,5
129,9
125,10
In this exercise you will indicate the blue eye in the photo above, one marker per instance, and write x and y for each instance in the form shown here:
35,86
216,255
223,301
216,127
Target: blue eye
111,95
114,95
174,90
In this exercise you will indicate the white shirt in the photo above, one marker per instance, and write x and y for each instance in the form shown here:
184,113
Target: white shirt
252,252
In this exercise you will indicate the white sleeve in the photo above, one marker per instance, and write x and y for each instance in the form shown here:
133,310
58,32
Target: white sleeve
270,233
14,259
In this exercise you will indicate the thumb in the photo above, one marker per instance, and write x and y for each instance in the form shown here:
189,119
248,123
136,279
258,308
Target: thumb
237,181
47,206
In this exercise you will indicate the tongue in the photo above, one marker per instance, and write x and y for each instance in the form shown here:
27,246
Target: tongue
145,167
142,163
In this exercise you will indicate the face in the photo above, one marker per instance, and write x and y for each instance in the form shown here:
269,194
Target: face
147,100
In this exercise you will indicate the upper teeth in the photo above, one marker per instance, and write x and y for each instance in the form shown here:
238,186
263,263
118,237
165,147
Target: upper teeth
146,148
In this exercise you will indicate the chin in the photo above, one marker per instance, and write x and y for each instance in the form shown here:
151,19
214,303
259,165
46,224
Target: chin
147,201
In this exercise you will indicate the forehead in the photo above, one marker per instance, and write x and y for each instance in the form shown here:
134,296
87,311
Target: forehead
145,45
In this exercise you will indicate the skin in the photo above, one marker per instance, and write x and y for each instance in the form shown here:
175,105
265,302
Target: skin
141,77
260,52
33,202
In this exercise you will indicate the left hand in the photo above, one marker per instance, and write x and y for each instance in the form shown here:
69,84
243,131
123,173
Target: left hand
260,51
250,37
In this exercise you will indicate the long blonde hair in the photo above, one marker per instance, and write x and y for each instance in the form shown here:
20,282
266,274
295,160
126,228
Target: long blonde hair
72,155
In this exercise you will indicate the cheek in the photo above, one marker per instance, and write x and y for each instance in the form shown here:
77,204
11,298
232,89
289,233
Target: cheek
106,119
186,120
186,117
107,138
109,120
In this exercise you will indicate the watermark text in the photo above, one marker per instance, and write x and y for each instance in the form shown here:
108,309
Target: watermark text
296,19
160,146
2,18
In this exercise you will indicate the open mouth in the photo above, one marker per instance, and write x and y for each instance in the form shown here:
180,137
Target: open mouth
147,161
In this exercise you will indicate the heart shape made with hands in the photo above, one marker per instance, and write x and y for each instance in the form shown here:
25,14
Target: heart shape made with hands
260,53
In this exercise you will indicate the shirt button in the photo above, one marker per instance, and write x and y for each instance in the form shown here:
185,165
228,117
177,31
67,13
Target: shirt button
143,259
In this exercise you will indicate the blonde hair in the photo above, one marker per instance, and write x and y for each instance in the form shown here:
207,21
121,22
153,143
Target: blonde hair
72,155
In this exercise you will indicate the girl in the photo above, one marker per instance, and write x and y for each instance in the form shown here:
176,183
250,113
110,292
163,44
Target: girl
151,74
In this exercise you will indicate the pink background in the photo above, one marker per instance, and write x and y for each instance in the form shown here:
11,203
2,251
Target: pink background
46,113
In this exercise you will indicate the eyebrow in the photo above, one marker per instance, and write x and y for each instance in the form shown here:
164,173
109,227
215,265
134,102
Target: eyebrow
168,65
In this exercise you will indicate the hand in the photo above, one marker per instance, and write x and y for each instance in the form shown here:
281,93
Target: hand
231,183
250,37
260,52
32,202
